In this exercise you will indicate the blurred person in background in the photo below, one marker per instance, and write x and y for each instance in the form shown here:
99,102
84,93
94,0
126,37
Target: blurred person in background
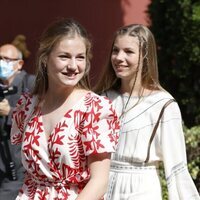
13,82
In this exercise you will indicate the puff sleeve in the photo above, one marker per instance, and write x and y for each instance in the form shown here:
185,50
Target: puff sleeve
100,132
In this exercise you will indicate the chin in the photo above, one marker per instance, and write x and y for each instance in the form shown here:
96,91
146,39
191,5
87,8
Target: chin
120,76
71,83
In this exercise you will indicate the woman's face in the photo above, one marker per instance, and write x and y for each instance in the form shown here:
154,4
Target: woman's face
67,62
125,56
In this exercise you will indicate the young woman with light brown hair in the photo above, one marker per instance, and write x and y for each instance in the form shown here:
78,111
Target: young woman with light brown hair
67,132
151,125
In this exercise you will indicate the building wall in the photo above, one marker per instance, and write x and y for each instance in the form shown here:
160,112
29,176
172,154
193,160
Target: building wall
100,17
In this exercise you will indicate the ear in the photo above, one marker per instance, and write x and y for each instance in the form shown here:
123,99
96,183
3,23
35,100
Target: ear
20,64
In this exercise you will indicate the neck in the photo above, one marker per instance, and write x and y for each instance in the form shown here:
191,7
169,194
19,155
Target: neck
54,99
59,100
58,94
131,88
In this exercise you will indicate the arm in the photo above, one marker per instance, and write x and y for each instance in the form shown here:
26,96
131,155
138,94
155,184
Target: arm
179,182
99,165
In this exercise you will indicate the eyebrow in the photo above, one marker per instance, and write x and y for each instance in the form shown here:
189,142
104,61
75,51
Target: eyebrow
65,52
8,58
126,48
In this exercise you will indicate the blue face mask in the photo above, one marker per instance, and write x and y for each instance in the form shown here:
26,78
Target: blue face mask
6,69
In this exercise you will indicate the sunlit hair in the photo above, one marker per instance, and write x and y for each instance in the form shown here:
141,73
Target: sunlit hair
147,46
50,37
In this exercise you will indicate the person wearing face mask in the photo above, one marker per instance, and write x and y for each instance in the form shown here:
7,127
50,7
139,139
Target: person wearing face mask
13,82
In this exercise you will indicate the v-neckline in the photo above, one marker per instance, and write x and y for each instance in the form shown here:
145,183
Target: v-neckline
59,121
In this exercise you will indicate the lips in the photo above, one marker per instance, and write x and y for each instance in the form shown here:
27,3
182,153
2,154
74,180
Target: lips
69,74
120,67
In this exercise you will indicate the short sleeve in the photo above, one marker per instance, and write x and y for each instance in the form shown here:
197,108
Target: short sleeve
18,118
101,126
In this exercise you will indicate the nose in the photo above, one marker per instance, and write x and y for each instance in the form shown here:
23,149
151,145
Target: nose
72,64
119,55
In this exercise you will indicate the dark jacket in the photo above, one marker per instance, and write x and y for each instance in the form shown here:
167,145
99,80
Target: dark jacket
9,188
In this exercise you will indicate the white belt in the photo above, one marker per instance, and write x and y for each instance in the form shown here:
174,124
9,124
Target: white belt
131,167
124,167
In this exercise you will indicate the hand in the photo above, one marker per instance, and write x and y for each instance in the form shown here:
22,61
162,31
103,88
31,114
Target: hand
4,107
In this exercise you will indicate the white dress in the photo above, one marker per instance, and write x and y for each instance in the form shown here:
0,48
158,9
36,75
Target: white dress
130,178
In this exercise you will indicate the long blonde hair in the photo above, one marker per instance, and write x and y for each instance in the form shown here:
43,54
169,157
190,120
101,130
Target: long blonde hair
108,79
51,36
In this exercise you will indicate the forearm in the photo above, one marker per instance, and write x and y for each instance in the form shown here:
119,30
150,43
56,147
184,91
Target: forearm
94,190
99,170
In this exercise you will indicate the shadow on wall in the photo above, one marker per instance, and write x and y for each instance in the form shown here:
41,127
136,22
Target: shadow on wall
100,17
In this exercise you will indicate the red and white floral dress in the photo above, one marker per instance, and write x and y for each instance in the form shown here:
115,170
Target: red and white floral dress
56,168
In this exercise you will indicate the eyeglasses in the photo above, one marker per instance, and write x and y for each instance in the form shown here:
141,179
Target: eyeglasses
7,59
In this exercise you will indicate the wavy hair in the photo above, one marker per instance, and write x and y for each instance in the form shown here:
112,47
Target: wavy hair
50,37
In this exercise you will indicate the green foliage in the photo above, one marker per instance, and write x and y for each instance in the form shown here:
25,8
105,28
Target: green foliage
192,138
163,183
176,27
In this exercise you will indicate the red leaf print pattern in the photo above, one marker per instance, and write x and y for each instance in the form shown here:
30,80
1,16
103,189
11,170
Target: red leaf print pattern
93,100
64,195
58,168
16,139
75,176
76,151
114,125
79,121
54,165
43,194
29,150
56,139
31,187
90,129
20,118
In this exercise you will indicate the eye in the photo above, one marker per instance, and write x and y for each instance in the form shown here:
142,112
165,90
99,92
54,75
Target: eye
64,56
129,51
80,57
115,50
